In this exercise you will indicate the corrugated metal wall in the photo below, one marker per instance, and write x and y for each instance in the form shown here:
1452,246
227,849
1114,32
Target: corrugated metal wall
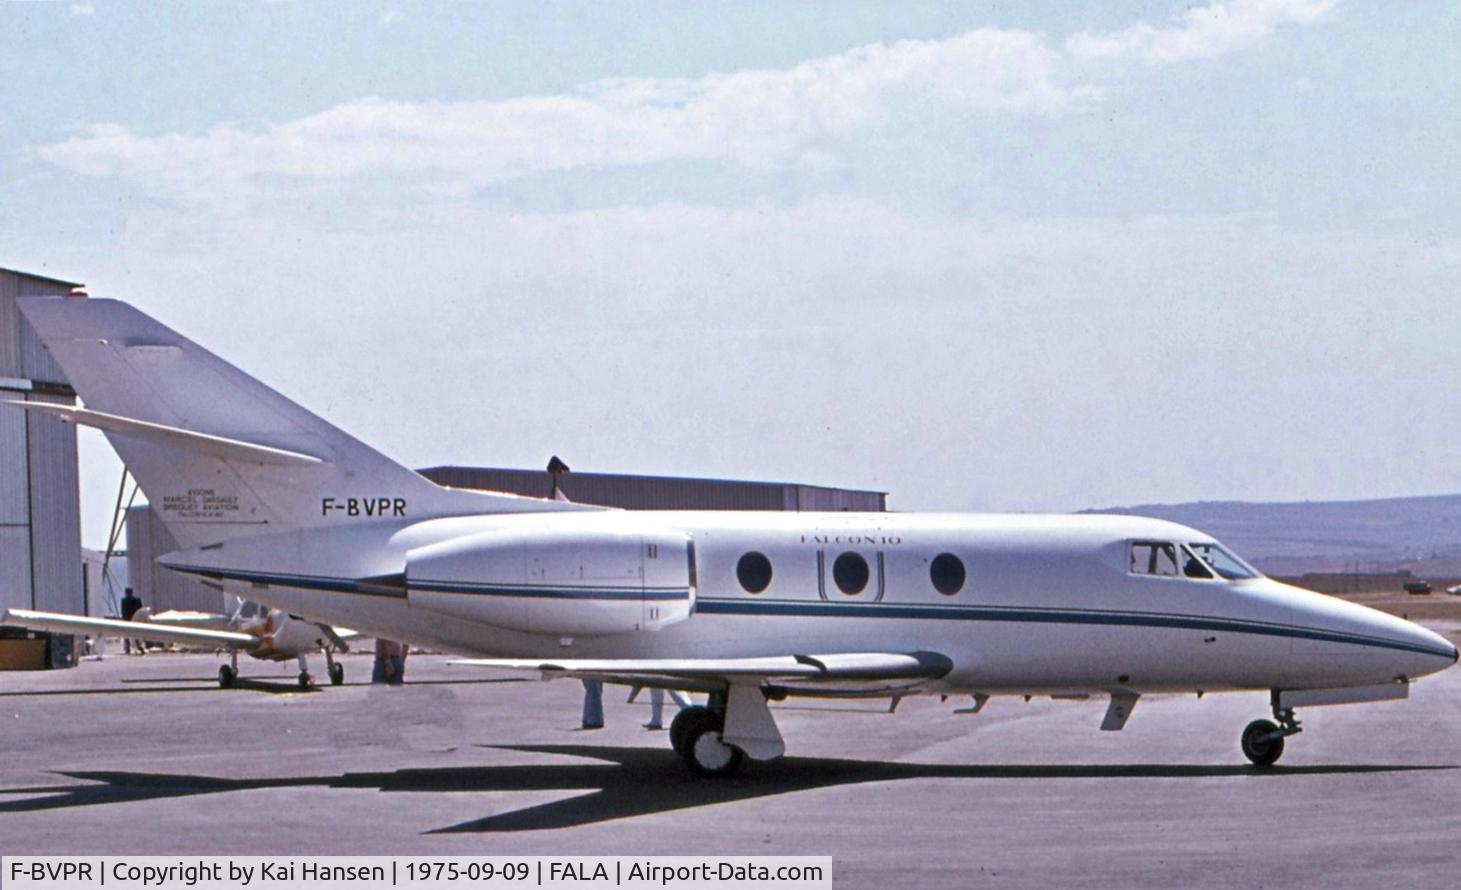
10,362
40,526
159,588
661,492
55,512
15,587
104,594
14,464
21,353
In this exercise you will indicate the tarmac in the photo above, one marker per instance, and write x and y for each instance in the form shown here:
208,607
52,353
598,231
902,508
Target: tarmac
147,756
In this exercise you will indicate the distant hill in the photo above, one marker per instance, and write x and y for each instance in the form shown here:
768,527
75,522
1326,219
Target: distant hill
1419,534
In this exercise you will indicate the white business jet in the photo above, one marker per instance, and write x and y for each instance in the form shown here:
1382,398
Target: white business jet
254,629
277,505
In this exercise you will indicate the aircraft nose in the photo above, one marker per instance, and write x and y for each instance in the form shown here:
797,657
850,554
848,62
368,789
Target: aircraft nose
1437,652
1415,651
1368,639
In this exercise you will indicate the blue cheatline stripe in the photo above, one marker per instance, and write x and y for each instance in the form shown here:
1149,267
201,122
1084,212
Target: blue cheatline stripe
820,609
308,582
365,586
709,606
548,592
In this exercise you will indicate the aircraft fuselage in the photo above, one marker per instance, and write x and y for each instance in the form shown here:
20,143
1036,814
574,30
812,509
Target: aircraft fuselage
1042,604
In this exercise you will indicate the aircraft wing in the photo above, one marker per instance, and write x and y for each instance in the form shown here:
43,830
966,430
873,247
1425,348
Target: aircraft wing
137,630
872,671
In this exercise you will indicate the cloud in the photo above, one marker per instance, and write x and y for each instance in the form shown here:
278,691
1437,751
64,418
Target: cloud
1202,33
760,119
391,16
755,117
83,9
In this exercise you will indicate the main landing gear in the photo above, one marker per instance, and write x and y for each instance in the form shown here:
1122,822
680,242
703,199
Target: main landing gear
337,670
734,724
305,680
228,673
1262,740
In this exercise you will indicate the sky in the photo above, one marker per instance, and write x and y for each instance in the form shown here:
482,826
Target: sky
983,256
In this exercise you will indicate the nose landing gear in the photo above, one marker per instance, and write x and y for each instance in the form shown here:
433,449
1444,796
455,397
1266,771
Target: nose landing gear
1262,740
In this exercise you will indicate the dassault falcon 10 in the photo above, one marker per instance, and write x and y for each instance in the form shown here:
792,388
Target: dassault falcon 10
279,506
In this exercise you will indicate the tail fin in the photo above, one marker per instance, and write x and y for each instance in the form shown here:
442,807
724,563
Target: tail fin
219,454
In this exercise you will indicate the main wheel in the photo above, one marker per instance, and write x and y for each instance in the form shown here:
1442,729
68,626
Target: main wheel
684,718
305,680
703,750
1259,749
337,674
226,676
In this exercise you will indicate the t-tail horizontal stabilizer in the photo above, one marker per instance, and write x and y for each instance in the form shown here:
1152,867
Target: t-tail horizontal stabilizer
216,446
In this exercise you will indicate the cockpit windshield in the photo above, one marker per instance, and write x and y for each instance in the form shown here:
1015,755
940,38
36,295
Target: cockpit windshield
1222,561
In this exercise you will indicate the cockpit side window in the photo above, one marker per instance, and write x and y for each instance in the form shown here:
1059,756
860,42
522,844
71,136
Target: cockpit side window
1157,558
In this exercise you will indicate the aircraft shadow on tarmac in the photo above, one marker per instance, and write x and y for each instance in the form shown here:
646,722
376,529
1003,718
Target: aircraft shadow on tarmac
273,686
159,684
629,781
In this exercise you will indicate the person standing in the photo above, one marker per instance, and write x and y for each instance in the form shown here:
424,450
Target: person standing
131,605
390,663
657,706
593,704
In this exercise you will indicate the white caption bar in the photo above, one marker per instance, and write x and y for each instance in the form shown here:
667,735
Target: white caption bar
413,872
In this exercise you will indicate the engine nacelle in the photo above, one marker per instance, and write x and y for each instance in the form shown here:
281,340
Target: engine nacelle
563,583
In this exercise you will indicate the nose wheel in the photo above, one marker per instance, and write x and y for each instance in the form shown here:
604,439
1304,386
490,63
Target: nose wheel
1262,740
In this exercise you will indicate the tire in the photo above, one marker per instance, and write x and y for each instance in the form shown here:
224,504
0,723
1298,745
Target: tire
1263,752
226,677
337,674
702,749
305,680
684,718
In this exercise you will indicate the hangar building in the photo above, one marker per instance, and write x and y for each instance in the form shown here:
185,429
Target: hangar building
663,492
40,525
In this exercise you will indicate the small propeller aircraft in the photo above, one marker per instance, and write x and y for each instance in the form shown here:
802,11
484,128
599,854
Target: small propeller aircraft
275,504
254,629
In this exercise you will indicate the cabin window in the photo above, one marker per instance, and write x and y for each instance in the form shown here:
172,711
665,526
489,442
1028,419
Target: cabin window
851,573
947,574
1154,558
754,572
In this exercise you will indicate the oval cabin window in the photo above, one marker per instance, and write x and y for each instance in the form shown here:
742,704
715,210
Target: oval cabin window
850,572
754,572
947,574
